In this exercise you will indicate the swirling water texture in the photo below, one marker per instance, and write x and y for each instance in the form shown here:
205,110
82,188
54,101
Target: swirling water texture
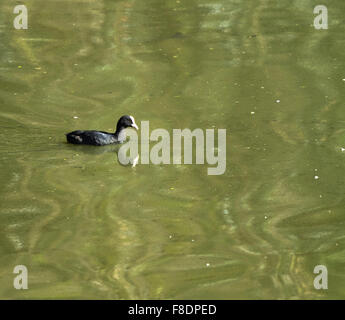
87,227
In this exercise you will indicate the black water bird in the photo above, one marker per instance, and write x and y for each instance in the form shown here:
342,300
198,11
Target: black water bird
101,138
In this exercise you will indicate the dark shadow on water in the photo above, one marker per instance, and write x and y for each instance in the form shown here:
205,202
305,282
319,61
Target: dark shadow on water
94,149
98,150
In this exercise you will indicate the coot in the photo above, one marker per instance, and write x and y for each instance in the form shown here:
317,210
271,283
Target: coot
101,138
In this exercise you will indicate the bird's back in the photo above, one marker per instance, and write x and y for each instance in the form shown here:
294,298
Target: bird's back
92,137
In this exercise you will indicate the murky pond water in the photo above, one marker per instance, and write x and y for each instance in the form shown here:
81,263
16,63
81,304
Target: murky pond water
87,227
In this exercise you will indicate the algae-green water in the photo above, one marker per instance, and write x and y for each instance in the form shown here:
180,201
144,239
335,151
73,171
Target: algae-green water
87,227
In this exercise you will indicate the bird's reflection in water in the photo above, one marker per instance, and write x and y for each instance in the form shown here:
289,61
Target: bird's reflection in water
95,150
113,148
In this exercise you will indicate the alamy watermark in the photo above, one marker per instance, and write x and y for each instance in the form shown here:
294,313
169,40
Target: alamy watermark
20,282
204,147
21,20
321,280
321,20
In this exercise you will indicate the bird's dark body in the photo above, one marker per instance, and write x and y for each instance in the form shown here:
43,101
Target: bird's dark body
92,137
101,138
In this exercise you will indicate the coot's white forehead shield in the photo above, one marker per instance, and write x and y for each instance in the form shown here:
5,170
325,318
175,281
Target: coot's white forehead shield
134,125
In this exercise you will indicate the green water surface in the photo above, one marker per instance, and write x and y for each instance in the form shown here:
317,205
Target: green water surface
87,227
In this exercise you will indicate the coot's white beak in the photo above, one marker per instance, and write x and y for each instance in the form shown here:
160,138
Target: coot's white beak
134,125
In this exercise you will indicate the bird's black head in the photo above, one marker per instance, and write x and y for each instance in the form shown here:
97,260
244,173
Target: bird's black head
125,122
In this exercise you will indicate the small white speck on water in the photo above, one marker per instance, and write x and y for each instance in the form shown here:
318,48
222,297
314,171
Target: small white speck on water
262,87
265,217
207,264
342,149
193,240
343,79
75,117
320,195
135,161
252,112
315,169
316,177
278,101
170,237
